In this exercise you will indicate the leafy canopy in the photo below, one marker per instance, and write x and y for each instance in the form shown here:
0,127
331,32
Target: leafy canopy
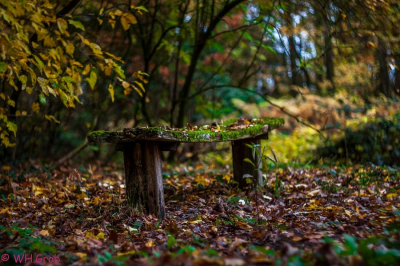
42,55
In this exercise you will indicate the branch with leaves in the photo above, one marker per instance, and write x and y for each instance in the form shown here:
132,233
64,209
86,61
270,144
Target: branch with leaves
41,57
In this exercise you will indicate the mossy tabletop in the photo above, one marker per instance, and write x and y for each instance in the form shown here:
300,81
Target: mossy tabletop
233,129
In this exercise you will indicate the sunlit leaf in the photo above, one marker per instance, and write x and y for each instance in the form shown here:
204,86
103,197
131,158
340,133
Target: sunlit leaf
249,161
77,24
12,127
140,85
51,118
111,90
23,79
70,49
3,66
86,70
92,79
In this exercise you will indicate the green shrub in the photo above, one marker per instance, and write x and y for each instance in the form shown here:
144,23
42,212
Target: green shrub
376,141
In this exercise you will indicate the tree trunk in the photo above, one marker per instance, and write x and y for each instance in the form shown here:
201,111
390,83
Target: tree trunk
143,175
328,55
397,75
293,65
383,78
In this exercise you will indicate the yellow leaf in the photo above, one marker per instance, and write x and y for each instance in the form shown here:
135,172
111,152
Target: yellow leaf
44,233
200,180
112,23
92,79
52,91
70,49
40,63
111,90
49,42
118,12
80,254
78,91
371,44
127,19
37,190
62,25
150,243
124,22
196,222
11,102
138,91
77,24
75,63
86,70
35,107
227,178
6,168
51,118
130,17
33,76
125,84
100,235
127,91
391,195
96,49
140,85
3,96
107,70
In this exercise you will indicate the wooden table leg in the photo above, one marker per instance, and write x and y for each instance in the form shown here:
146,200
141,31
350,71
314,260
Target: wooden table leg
240,152
143,176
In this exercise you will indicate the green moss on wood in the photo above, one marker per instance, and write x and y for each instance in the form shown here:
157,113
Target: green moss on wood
185,135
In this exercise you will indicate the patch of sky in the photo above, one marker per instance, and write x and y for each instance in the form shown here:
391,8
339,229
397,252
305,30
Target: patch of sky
296,19
253,12
270,81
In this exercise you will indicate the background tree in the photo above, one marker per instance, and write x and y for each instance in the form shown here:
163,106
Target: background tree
200,56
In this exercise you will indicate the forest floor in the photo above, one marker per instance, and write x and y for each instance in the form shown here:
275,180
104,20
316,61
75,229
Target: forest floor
303,216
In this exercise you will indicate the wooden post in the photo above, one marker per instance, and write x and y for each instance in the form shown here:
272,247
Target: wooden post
143,176
240,152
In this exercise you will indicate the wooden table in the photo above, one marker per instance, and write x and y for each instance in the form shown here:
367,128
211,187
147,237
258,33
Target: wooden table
142,159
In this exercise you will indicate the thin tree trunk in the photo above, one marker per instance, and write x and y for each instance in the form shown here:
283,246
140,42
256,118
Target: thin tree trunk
383,78
328,55
397,75
293,65
199,45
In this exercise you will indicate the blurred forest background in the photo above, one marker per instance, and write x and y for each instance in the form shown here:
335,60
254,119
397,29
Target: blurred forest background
330,67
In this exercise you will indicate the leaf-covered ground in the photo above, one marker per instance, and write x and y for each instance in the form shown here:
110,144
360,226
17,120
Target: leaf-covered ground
315,216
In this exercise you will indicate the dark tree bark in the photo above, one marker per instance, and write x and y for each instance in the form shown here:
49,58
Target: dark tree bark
328,55
293,65
200,43
383,78
240,152
143,175
397,75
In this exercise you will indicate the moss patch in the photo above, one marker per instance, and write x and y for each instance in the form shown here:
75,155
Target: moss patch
229,130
